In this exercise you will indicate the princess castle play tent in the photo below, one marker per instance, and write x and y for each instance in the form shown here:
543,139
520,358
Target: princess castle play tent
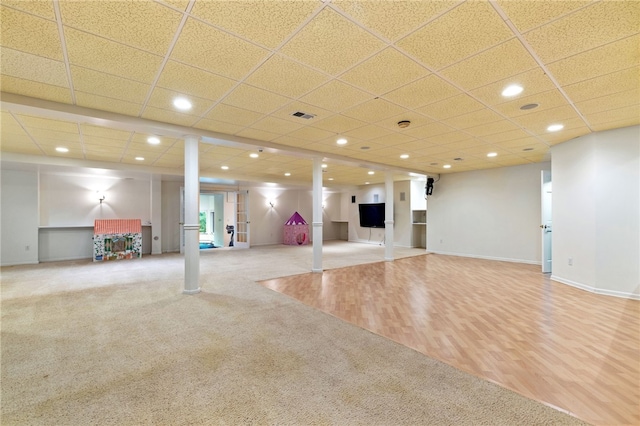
296,231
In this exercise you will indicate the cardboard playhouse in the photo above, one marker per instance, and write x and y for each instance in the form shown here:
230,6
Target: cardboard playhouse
296,231
116,239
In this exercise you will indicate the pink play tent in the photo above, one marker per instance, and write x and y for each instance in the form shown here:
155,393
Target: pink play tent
296,231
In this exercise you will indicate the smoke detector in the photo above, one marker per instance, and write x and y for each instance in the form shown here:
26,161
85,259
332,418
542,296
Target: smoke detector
403,124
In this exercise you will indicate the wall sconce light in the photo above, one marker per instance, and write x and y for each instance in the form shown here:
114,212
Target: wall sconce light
101,197
270,203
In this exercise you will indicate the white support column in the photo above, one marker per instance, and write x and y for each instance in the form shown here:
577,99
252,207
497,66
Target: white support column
317,215
388,217
156,214
191,222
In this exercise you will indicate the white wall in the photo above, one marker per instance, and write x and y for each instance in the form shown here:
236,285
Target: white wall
365,195
267,223
67,200
596,212
492,214
19,217
171,216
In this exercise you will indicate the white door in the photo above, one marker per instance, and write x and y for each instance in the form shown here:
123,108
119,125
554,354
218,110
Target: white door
242,220
546,221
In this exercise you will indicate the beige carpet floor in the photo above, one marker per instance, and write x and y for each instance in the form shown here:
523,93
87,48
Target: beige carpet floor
116,343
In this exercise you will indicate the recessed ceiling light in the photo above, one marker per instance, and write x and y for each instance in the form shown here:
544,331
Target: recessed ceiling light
371,172
447,166
324,166
224,167
364,147
366,183
330,179
254,155
528,149
153,140
433,164
62,149
341,141
404,124
458,159
555,127
512,90
492,154
287,174
139,158
182,104
404,156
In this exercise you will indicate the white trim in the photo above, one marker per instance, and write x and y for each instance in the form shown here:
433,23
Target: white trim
613,293
32,262
500,259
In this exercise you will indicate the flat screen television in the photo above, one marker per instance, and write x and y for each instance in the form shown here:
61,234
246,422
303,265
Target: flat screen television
371,215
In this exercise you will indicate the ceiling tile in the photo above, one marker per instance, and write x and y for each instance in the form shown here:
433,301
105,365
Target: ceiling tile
103,132
289,140
203,46
609,102
546,100
193,81
163,98
505,60
254,99
449,138
169,162
607,125
467,29
566,134
95,143
218,126
487,129
28,33
99,54
513,135
338,124
427,90
110,86
9,123
260,135
631,113
537,122
525,17
288,110
90,100
233,115
281,75
35,89
336,96
311,134
276,125
451,107
392,139
33,67
99,156
429,130
603,60
327,43
368,132
20,145
265,22
374,111
588,28
144,25
397,70
620,81
33,122
173,117
533,82
519,144
396,18
43,8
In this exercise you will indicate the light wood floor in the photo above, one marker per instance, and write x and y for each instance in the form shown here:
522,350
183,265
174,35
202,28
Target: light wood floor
505,322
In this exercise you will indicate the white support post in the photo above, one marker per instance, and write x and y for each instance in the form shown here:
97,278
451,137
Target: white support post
388,217
156,214
317,215
191,222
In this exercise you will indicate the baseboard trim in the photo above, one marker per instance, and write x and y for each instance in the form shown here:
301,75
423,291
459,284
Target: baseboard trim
30,262
476,256
613,293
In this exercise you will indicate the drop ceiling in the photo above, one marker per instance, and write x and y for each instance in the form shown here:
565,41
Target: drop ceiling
358,67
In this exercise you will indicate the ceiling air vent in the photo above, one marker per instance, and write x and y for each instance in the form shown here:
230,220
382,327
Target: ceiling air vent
303,115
